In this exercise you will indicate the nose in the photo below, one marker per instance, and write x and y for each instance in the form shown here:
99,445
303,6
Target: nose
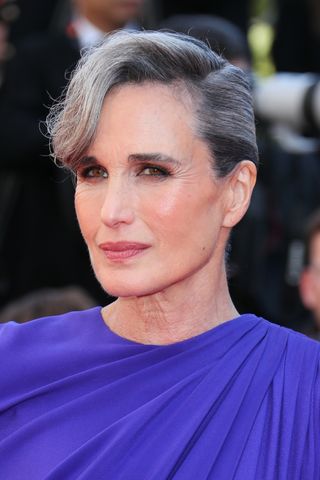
117,207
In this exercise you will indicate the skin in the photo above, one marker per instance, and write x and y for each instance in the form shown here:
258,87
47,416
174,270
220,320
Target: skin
108,15
177,287
310,281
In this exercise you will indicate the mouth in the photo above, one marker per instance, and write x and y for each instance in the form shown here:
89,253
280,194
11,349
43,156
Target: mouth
119,251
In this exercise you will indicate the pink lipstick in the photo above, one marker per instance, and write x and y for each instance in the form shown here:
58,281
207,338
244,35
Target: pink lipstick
117,251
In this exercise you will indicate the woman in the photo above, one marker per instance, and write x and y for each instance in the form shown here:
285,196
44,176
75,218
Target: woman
169,381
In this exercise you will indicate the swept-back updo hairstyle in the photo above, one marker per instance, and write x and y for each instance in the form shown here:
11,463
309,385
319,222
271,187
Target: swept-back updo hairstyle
220,94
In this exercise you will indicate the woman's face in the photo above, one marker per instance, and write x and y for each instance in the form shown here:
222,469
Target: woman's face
149,205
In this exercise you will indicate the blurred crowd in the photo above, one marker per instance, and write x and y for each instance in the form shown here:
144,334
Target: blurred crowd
274,254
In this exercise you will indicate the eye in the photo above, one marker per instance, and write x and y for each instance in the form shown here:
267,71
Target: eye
153,171
93,172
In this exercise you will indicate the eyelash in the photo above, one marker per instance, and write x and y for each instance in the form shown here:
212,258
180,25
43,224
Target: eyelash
85,172
161,172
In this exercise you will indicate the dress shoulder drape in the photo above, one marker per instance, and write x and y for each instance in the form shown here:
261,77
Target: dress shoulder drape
77,401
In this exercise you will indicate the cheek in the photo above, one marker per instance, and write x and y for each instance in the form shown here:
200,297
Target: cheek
167,210
87,206
167,205
183,215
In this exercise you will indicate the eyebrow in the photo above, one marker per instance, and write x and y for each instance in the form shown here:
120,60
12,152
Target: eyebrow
84,161
152,157
132,158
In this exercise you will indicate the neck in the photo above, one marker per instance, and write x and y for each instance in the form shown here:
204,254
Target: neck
173,315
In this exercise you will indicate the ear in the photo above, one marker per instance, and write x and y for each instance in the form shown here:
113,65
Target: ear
240,186
307,291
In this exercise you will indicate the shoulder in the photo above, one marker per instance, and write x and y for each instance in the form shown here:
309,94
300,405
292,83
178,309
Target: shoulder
293,342
293,338
282,336
286,366
287,350
19,338
48,338
298,359
42,351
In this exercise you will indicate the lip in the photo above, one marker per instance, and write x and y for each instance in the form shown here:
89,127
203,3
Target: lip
118,251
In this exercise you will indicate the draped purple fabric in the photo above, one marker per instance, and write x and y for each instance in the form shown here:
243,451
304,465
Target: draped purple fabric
77,401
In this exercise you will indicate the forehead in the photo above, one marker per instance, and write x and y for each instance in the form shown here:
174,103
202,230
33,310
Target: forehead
159,96
148,118
147,113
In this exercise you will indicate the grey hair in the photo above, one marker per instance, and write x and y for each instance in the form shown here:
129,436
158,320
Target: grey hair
221,93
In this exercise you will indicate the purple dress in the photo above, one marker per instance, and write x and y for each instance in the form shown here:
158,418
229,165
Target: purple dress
241,401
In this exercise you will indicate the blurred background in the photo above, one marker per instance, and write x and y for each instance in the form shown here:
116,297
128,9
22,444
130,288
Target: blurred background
274,253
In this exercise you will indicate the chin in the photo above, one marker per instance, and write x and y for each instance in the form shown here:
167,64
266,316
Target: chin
127,287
